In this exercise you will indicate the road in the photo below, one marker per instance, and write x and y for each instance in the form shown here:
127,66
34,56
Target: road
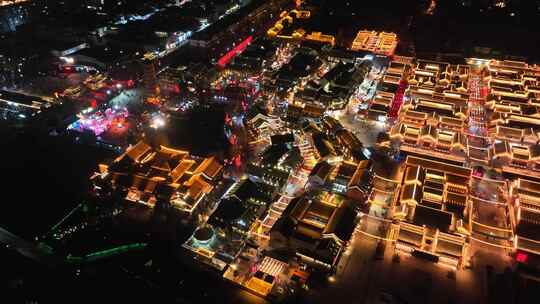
366,131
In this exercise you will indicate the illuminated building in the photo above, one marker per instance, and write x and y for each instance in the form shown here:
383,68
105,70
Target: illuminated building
526,196
257,55
360,182
223,35
297,70
430,74
317,228
231,222
163,175
295,112
514,123
271,176
379,106
433,118
432,127
264,126
438,104
439,80
324,147
205,243
274,153
429,138
343,175
274,163
331,125
351,146
338,84
172,80
11,2
265,277
284,29
377,42
519,159
320,37
108,128
286,20
238,49
19,107
385,97
524,205
435,211
240,208
320,174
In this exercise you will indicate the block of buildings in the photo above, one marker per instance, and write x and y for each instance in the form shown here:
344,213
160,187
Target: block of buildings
317,228
435,211
377,42
147,175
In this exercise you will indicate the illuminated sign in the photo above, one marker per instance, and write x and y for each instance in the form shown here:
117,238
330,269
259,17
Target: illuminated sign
223,61
522,257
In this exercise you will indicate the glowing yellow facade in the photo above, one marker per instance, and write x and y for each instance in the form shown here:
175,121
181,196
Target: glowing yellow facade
377,42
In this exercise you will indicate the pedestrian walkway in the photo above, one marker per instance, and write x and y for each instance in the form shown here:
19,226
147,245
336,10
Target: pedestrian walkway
297,177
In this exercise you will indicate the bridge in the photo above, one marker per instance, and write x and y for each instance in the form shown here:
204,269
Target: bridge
40,253
43,254
98,255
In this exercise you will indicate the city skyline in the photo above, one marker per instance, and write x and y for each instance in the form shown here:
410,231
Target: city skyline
253,151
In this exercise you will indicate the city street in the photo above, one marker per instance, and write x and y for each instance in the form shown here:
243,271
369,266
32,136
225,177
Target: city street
366,131
362,279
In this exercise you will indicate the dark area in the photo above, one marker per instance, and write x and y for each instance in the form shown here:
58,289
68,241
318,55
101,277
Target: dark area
200,131
45,178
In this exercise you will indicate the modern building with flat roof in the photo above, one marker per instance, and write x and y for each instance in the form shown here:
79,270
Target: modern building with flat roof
377,42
